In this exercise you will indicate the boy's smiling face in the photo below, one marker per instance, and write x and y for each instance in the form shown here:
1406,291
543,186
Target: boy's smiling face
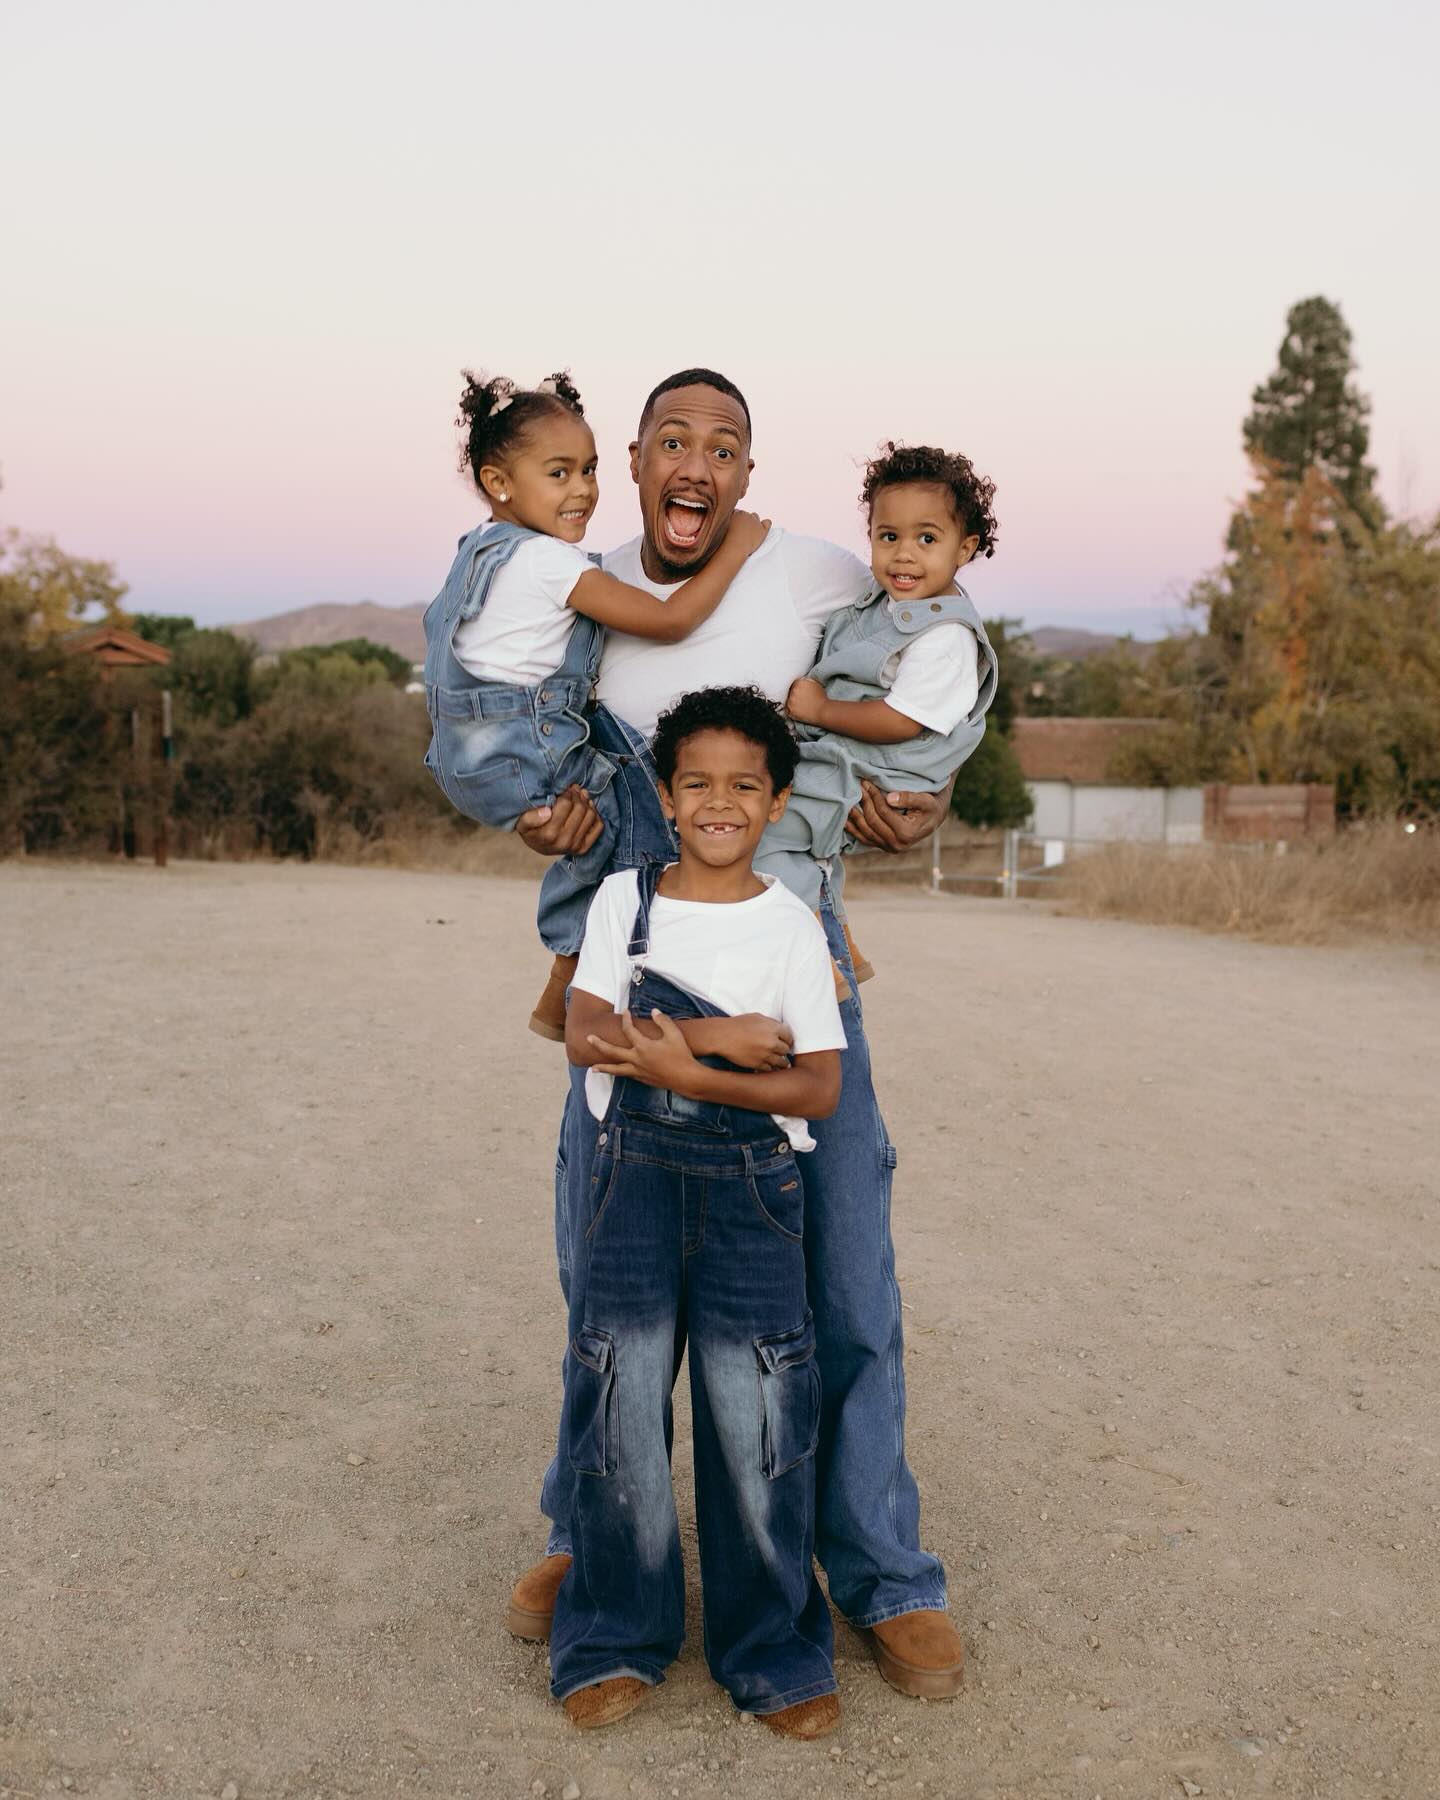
721,797
916,541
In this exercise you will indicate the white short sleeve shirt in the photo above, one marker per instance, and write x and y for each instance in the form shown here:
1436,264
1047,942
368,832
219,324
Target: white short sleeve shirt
764,631
519,635
765,955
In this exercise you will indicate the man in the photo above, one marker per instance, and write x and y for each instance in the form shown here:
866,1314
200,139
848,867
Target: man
691,462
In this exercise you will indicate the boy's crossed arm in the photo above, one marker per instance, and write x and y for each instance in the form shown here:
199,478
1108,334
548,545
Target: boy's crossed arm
662,1052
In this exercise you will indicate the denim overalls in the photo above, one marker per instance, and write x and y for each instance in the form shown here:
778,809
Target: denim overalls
499,749
857,643
694,1226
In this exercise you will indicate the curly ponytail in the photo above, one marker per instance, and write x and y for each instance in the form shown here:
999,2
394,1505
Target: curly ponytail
495,415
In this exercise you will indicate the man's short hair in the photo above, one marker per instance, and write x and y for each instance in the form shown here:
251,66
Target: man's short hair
743,710
696,378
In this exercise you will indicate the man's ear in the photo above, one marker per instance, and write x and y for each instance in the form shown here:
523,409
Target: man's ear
968,548
667,805
779,803
635,462
494,482
749,471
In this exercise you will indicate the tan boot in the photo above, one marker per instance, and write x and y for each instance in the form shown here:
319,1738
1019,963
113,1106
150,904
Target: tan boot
920,1653
809,1720
843,989
532,1599
548,1018
861,963
604,1702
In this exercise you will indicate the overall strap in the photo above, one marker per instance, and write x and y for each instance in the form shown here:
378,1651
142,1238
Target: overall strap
646,882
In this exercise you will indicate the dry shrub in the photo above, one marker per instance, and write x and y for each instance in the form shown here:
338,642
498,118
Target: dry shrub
1376,881
421,843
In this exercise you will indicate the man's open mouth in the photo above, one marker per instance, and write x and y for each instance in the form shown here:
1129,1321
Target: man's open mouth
683,521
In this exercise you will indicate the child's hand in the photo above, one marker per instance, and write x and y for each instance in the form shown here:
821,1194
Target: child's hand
752,1041
747,532
663,1062
804,700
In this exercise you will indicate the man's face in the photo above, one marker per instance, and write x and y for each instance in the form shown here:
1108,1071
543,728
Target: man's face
692,465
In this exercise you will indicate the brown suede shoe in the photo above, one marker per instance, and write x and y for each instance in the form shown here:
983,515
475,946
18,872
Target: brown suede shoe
811,1719
862,964
603,1702
548,1018
532,1599
920,1653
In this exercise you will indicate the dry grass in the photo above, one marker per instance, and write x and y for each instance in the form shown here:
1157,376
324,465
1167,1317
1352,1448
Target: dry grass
1378,882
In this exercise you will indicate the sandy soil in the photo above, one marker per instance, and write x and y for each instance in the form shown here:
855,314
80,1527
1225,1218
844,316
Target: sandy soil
281,1333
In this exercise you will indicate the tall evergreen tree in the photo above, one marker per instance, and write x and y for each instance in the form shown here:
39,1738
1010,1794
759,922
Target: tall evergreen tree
1310,414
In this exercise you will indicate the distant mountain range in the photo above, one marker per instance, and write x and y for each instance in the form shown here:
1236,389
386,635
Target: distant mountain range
398,628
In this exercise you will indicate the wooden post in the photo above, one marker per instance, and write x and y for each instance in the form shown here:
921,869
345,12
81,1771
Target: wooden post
162,797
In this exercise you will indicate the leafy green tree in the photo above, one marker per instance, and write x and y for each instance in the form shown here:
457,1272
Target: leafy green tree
361,650
55,592
1309,414
990,791
165,629
212,674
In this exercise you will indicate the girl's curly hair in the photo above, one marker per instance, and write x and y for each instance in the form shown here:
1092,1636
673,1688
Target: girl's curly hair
972,491
495,414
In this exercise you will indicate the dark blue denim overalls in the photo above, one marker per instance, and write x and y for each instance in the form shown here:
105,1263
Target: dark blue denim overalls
694,1230
499,749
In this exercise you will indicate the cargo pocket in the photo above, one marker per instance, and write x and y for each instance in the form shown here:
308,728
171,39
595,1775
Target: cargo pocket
594,1426
790,1389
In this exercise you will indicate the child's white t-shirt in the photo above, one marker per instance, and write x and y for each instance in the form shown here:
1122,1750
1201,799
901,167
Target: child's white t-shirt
765,955
519,635
935,679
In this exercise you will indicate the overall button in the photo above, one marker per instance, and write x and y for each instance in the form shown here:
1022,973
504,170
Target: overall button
604,1138
544,695
935,606
907,614
546,729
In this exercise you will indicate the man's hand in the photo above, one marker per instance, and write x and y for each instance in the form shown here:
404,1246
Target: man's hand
896,822
663,1062
750,1041
568,828
804,700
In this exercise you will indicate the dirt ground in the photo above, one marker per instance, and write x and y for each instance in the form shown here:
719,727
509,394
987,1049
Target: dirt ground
281,1335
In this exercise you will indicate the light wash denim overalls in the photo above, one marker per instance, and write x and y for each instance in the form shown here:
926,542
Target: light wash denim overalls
693,1221
499,749
857,643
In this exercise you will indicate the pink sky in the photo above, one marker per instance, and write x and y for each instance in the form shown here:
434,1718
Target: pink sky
247,253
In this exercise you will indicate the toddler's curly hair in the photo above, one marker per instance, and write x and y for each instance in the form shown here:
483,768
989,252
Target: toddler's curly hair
972,492
495,414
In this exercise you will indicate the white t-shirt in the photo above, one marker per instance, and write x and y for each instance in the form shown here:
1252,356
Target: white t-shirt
766,955
763,632
935,679
519,635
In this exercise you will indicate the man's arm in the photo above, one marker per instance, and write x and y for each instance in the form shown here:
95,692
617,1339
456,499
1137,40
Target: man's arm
897,821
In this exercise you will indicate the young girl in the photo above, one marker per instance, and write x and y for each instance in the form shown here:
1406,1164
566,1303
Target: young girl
899,691
513,647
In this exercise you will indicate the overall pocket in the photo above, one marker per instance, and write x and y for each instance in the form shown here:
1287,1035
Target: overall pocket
779,1197
790,1390
594,1422
482,766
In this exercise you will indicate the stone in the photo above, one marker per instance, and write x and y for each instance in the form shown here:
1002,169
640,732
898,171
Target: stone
230,1791
355,1460
570,1791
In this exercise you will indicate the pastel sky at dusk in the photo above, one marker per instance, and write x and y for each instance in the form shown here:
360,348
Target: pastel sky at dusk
248,249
